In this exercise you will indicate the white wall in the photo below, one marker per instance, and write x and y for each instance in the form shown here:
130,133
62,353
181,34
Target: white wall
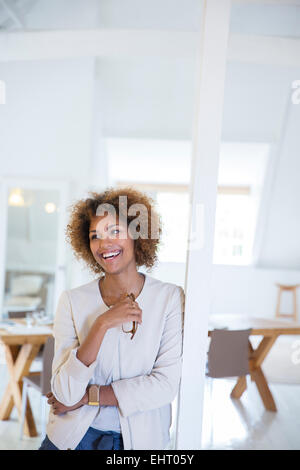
281,241
258,108
45,125
250,291
239,290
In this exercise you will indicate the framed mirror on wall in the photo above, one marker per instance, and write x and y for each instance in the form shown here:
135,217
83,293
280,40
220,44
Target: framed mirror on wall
32,253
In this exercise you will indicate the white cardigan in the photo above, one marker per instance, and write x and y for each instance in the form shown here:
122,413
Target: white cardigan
149,365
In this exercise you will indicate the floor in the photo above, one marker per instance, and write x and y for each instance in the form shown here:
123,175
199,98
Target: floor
10,429
244,424
228,424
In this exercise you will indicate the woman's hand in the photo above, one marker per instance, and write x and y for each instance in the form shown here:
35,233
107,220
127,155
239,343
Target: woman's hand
124,311
58,408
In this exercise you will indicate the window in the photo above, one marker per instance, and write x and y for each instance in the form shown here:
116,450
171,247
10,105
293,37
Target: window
174,210
234,227
236,210
173,207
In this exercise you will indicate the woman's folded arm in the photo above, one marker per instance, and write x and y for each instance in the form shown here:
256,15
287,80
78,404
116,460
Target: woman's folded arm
70,376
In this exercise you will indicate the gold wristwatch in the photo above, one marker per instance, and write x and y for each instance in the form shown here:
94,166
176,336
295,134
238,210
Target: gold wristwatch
94,395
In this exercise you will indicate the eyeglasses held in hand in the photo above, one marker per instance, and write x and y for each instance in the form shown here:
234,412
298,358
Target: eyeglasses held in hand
134,323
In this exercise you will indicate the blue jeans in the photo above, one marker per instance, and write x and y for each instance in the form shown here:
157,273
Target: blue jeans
92,440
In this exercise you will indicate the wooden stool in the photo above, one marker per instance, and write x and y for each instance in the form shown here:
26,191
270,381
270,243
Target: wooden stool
292,289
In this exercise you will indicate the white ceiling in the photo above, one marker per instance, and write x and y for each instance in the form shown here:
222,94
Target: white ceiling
14,13
146,97
275,18
166,161
93,14
152,95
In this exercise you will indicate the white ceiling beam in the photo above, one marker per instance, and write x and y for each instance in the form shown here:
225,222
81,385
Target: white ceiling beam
102,43
38,45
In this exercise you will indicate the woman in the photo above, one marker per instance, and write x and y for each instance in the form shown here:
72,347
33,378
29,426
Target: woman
130,347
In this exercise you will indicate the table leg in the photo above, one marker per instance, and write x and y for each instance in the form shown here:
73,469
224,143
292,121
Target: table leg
258,355
263,389
256,358
239,388
7,402
18,365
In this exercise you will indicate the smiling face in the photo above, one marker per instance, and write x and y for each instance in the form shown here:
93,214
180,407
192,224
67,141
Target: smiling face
111,245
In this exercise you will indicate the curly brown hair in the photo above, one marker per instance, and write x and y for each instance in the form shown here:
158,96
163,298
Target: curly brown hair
145,247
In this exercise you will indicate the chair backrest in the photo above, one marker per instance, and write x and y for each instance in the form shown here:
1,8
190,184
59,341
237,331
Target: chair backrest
48,354
228,354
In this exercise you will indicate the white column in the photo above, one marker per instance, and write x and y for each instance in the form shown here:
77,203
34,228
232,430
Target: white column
206,141
3,237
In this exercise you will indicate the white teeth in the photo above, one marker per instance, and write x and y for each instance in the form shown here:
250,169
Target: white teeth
113,253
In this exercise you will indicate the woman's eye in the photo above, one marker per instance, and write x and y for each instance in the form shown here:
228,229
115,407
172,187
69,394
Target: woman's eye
114,232
98,237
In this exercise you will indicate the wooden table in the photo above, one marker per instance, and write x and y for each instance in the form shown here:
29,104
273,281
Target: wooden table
269,329
20,351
